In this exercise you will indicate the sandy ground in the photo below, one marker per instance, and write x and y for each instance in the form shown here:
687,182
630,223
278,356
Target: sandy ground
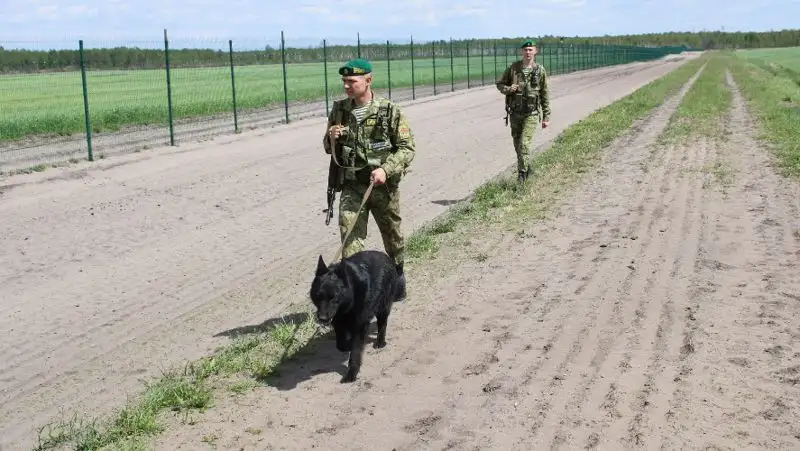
659,310
116,269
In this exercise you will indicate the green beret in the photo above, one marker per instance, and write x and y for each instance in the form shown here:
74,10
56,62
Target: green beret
356,67
528,43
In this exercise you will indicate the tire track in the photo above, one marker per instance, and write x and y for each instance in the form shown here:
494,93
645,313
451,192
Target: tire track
502,408
553,400
739,325
501,381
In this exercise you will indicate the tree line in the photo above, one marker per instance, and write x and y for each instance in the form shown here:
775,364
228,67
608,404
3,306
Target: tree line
122,58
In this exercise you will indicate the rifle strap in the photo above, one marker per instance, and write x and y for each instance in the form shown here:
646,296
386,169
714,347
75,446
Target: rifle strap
350,229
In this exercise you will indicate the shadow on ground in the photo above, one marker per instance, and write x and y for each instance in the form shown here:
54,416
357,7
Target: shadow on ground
318,356
264,327
448,202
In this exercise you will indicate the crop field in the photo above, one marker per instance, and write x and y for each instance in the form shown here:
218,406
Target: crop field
639,291
53,103
788,57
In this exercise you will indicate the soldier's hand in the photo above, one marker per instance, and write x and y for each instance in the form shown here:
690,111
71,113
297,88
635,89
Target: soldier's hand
545,124
335,131
514,87
378,176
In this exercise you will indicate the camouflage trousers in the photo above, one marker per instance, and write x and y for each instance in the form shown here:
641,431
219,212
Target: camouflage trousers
384,204
522,129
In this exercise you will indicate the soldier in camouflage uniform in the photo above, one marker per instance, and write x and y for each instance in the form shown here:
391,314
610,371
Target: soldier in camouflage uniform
524,83
374,137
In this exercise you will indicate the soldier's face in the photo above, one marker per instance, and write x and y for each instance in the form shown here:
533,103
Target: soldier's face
528,52
355,86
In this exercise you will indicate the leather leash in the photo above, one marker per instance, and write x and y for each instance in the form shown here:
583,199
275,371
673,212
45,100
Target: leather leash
336,256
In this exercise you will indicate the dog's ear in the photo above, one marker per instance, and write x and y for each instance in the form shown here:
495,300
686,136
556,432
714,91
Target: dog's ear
322,268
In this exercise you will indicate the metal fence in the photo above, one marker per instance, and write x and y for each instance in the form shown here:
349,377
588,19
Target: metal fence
97,99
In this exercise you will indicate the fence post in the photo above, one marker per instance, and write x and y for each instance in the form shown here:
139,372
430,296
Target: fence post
169,90
495,59
468,82
85,101
559,53
589,56
233,88
549,54
285,87
452,74
433,55
325,68
413,86
389,67
483,79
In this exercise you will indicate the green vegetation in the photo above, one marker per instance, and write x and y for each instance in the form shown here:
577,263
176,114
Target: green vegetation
787,57
52,103
255,356
773,97
703,107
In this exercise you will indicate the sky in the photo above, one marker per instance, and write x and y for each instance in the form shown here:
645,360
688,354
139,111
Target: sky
44,24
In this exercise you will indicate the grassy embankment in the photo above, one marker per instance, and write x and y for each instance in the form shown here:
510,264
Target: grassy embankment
53,103
251,359
770,83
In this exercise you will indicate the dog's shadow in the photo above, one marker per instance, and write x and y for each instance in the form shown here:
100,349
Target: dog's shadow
318,356
264,327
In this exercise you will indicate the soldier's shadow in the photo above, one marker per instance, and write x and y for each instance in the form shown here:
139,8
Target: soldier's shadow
448,202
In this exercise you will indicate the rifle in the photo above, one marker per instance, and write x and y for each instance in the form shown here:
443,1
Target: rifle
335,176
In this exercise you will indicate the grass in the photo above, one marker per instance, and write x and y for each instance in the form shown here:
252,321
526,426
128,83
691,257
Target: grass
702,109
52,103
253,357
788,57
773,98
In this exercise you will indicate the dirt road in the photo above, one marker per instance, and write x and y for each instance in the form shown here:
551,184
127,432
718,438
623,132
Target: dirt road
113,272
660,310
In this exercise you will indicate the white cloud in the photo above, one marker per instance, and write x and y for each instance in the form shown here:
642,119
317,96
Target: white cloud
340,20
312,9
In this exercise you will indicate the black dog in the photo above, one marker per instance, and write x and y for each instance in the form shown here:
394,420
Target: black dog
348,294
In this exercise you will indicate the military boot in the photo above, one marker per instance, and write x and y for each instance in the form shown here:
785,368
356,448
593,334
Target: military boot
401,282
523,175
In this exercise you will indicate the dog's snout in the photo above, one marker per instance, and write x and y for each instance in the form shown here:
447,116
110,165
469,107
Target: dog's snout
323,318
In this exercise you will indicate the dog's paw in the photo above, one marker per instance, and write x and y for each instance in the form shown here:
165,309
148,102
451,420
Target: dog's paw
348,378
379,344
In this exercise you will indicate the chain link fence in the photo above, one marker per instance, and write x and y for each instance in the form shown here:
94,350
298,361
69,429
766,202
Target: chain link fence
63,103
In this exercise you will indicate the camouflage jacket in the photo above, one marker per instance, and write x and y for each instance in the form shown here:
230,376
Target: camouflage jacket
533,95
382,139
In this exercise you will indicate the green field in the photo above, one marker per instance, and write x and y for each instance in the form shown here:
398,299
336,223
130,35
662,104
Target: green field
788,57
770,81
52,103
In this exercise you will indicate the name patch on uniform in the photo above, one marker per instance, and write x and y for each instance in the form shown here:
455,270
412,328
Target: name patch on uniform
379,145
370,121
